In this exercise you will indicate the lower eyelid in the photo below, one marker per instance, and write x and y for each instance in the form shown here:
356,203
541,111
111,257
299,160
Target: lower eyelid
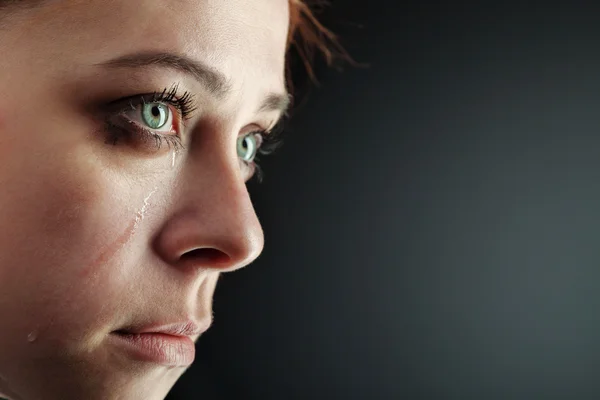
137,135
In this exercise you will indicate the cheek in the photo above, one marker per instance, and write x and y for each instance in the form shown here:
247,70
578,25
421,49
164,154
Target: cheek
64,218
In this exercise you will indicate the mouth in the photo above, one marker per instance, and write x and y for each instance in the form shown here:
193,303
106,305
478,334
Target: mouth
169,344
156,347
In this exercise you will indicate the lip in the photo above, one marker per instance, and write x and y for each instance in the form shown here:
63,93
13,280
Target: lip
188,328
160,348
167,344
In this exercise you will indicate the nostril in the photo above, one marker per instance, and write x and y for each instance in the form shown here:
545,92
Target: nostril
205,256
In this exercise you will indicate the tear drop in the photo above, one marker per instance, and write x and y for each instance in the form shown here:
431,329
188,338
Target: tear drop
32,336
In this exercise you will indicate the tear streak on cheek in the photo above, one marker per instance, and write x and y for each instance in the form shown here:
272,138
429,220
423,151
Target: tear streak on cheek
92,270
110,250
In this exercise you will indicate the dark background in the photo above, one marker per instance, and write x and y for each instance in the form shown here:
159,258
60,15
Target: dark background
432,221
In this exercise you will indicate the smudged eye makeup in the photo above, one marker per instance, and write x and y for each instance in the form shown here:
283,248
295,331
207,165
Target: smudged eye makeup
155,122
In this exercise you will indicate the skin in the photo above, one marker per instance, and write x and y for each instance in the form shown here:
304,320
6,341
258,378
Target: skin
96,236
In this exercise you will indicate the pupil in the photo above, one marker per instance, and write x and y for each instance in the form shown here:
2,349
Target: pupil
155,111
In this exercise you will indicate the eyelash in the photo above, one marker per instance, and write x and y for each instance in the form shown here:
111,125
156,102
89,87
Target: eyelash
185,106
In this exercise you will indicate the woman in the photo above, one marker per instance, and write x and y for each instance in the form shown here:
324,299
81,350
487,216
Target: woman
128,130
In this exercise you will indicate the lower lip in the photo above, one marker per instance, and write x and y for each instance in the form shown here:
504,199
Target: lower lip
169,350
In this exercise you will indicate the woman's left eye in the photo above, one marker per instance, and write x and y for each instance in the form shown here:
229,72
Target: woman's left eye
248,146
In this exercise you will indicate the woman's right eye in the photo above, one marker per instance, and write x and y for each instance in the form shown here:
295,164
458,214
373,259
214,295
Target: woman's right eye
145,125
154,115
150,120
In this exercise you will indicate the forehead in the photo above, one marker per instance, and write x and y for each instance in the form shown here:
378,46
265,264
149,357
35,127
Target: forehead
244,40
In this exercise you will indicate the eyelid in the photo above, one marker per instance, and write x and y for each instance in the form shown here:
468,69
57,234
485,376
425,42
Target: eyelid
132,103
179,111
184,103
127,129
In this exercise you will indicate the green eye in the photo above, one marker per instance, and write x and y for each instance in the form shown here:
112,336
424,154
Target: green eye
155,115
247,146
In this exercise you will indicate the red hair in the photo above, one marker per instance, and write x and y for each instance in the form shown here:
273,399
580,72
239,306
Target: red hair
307,35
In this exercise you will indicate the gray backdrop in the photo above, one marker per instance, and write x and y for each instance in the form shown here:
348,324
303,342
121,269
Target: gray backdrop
431,222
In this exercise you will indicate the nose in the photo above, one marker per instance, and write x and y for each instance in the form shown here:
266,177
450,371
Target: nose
211,222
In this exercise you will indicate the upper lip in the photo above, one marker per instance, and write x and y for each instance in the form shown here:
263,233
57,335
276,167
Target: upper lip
185,328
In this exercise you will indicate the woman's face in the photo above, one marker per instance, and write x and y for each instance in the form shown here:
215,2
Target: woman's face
101,229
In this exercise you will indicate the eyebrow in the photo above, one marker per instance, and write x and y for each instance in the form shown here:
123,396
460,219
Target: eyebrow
214,81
